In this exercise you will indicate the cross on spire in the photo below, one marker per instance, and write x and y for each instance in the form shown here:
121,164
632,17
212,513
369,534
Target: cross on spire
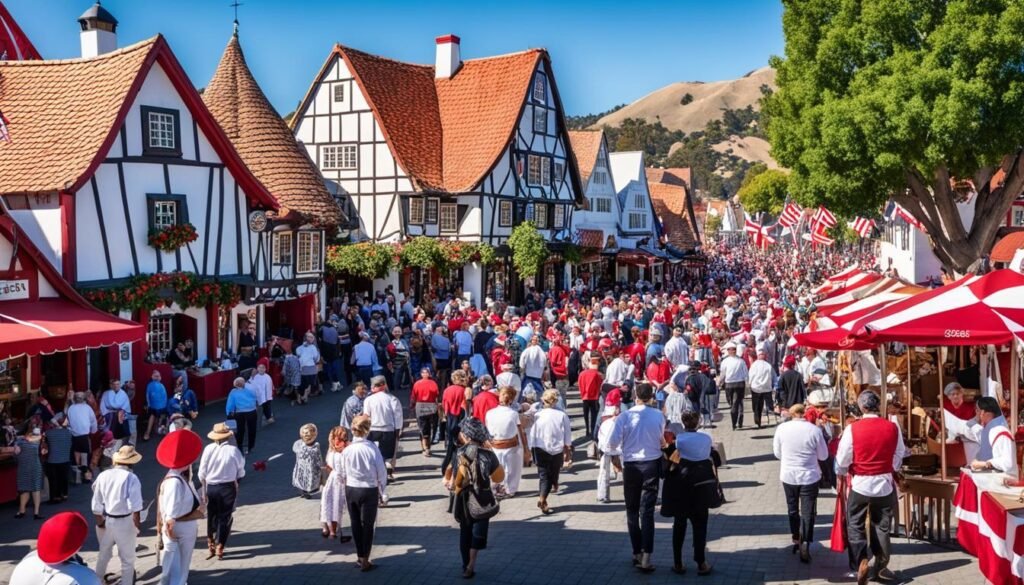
235,4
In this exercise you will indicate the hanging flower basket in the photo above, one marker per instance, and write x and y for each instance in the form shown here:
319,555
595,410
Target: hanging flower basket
173,237
151,291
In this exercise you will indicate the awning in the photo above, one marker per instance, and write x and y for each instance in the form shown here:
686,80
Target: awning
635,257
1005,248
51,325
586,238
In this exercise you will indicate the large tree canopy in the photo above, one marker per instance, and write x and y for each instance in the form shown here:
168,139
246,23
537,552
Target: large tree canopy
764,191
904,99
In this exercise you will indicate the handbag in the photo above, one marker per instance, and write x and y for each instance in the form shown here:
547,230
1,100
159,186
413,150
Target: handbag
480,501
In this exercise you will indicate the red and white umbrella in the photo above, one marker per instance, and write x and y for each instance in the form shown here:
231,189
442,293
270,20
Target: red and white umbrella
871,283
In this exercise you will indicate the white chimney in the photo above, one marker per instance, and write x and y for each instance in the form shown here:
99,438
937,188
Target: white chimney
448,58
99,31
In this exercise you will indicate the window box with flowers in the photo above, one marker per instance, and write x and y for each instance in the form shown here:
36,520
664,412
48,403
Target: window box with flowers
150,291
172,237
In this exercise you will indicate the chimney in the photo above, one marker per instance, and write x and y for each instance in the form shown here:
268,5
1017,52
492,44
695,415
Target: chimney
99,31
448,58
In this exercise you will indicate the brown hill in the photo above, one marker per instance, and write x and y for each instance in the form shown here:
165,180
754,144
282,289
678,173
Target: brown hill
749,148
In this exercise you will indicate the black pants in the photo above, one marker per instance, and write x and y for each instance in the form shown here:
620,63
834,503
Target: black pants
858,508
247,423
734,394
699,519
802,505
58,474
472,535
386,441
364,373
220,509
427,424
451,440
362,512
640,487
591,411
762,402
268,409
548,467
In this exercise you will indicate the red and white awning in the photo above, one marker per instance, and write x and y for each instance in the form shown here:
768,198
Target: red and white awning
50,325
833,333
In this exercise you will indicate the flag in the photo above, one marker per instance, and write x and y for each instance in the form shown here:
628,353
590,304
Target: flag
750,227
818,236
894,210
759,233
5,134
823,217
862,226
519,166
790,215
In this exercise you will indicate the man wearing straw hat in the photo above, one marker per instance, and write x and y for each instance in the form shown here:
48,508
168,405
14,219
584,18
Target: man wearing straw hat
55,560
117,505
220,469
180,507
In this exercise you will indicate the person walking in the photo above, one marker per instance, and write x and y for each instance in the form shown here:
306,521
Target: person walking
330,352
791,385
733,374
332,497
263,386
590,383
534,363
309,462
180,506
156,404
551,442
424,400
455,403
117,508
800,445
639,434
55,560
353,406
610,463
364,359
28,452
686,496
57,444
508,440
871,449
309,356
82,422
241,407
761,379
365,487
386,421
221,468
478,468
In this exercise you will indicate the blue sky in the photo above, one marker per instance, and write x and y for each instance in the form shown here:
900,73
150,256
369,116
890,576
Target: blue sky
604,53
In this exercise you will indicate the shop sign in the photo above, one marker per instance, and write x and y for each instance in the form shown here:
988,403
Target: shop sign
12,290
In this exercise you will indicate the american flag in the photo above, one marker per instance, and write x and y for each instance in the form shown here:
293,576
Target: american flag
862,226
894,210
5,134
823,217
790,215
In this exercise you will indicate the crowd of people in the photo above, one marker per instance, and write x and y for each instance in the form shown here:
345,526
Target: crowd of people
493,383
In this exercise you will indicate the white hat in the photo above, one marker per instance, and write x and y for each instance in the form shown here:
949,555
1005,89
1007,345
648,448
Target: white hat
730,345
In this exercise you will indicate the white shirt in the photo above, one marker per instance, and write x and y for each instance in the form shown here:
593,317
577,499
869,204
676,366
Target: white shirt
807,367
617,372
868,485
113,401
177,496
733,370
509,379
638,432
760,376
502,422
364,465
81,419
33,571
308,354
533,361
384,410
263,386
551,431
604,433
221,463
799,445
1004,451
116,492
677,352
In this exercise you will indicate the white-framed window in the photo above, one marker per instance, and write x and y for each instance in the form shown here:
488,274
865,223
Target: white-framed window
1018,216
558,221
505,213
637,221
416,210
545,172
559,172
639,201
282,248
339,92
535,174
540,89
449,217
310,252
339,157
161,130
431,215
161,334
540,120
165,214
540,216
602,205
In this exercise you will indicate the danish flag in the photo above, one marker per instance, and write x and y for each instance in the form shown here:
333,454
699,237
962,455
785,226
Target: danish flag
759,232
790,215
862,226
823,217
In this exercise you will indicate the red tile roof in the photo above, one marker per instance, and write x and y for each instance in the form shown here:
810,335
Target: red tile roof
264,141
586,144
13,42
680,176
673,207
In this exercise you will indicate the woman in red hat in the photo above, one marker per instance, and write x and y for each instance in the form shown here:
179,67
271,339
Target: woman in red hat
180,507
56,560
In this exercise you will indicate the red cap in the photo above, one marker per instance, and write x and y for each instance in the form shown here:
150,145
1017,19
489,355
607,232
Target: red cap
789,361
61,536
265,362
179,449
613,398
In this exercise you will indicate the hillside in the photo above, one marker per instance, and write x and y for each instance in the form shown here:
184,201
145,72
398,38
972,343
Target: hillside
705,103
749,148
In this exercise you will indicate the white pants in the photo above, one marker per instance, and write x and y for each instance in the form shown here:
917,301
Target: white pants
120,532
605,474
511,461
178,553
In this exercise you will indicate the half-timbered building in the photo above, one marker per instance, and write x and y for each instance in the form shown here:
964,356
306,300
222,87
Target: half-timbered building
638,225
462,150
596,225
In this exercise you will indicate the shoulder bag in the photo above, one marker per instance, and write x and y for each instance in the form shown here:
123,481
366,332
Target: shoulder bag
480,501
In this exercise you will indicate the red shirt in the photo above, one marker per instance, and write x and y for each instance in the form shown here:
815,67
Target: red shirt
499,357
590,384
558,359
425,391
964,412
482,403
659,372
454,400
637,354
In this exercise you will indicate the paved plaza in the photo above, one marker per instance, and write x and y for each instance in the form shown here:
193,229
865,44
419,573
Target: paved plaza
277,537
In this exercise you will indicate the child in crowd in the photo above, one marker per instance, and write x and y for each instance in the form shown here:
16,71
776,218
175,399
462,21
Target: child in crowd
309,462
332,500
610,463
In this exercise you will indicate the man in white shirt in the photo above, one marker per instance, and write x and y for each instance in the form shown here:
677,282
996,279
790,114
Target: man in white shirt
677,350
507,377
810,363
179,505
872,450
998,449
117,504
618,372
220,468
82,422
386,420
533,362
639,434
55,560
761,378
733,377
800,445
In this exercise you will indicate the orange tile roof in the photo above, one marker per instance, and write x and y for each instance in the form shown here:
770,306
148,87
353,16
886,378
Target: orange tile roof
680,176
673,207
1005,248
265,143
586,144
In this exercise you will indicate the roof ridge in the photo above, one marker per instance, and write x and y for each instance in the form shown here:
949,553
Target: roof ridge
97,59
340,46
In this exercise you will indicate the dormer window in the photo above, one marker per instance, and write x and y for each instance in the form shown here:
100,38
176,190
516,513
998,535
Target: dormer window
161,132
540,89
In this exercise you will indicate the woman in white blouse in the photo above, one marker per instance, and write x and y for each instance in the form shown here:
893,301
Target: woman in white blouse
508,440
366,479
551,440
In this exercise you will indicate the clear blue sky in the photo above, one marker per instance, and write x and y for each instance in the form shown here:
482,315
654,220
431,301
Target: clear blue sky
604,53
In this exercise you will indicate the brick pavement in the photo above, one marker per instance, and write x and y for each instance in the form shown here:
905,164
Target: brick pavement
277,538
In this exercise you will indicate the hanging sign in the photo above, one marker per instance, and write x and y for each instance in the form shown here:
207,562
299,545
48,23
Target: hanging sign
12,290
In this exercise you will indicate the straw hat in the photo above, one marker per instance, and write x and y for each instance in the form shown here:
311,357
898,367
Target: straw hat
126,455
220,432
308,433
61,537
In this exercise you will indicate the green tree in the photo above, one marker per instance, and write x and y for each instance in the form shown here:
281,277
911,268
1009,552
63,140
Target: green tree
905,99
528,249
765,191
712,224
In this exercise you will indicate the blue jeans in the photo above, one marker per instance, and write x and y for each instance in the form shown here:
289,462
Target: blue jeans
332,368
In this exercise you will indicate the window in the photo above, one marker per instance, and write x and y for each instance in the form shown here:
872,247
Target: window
540,90
342,157
540,120
540,216
339,92
160,333
637,221
449,217
602,157
559,172
600,178
545,169
282,248
602,205
161,132
535,174
416,211
1018,217
309,252
166,210
528,212
505,213
559,220
638,200
432,211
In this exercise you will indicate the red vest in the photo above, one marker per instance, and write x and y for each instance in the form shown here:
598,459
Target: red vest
874,444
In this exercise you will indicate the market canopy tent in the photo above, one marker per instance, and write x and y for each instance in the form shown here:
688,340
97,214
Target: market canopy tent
849,277
833,333
51,325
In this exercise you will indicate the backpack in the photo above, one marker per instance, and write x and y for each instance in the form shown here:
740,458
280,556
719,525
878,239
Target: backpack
480,501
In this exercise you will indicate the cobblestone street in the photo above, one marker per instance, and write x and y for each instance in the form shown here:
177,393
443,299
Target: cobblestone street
277,537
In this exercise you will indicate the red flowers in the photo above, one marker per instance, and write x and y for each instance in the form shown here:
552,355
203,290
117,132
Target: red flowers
173,237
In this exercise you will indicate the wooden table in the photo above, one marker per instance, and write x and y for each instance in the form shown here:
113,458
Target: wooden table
927,507
212,386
